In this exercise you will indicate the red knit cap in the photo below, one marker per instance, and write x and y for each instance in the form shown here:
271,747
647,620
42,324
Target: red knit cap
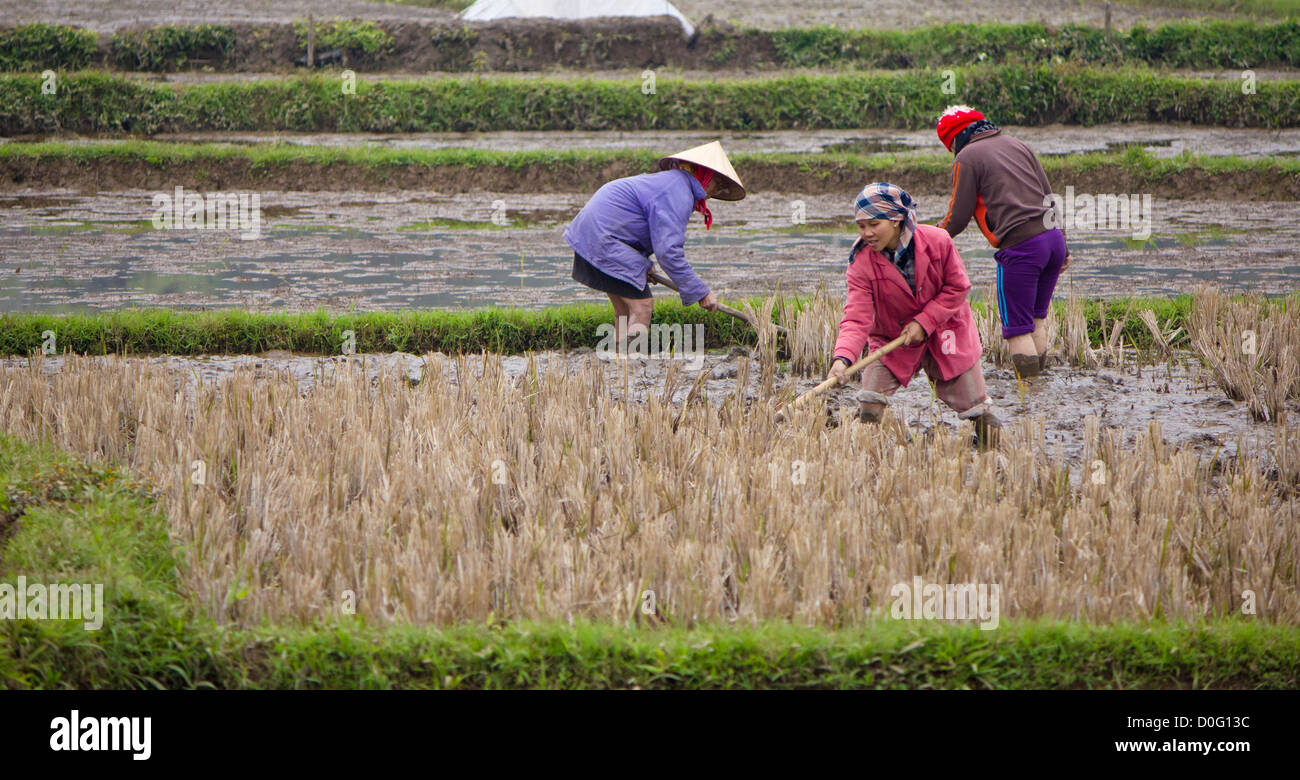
955,119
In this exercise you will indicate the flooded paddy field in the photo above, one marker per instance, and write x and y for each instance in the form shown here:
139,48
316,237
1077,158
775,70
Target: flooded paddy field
1178,394
66,251
1160,140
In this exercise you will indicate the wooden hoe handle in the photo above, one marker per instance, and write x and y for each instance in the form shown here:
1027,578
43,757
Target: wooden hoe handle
853,369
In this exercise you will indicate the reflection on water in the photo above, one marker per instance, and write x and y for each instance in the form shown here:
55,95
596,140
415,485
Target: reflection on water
416,251
1159,139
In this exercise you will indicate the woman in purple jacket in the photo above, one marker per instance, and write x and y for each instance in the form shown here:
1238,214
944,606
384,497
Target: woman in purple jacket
628,219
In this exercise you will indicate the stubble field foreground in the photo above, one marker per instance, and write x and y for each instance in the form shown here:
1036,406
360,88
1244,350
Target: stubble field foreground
571,524
571,489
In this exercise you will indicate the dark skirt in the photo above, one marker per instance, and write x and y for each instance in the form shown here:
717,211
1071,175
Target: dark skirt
588,274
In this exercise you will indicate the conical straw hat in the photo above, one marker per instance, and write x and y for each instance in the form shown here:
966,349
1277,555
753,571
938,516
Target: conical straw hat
711,156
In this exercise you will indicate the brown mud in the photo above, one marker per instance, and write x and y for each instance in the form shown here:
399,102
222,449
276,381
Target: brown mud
1162,141
1191,411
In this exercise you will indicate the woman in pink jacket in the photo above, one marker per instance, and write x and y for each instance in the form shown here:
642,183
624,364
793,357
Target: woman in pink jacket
908,278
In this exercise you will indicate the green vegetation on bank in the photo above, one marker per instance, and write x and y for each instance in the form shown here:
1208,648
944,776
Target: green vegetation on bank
171,47
46,47
498,330
98,103
67,521
1212,44
1220,44
299,167
355,37
503,330
1133,161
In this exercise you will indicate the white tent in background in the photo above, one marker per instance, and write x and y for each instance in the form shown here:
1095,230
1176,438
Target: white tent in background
487,10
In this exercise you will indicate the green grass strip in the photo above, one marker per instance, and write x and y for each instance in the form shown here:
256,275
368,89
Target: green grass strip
1202,44
286,166
96,103
38,47
498,330
502,330
1133,161
67,521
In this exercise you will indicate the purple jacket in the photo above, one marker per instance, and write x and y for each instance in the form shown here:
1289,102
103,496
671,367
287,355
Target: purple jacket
627,219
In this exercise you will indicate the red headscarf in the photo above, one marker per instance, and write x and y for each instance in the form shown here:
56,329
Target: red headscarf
703,176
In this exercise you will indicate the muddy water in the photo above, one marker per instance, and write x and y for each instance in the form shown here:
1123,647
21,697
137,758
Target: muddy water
1167,140
63,251
1191,411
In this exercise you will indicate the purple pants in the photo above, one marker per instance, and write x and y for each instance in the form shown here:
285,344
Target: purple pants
1027,274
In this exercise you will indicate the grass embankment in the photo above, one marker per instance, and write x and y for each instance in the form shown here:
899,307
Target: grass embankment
87,102
504,331
149,165
1209,44
392,45
69,522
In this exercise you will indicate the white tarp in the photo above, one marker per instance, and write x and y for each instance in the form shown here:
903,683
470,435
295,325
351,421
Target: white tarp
487,10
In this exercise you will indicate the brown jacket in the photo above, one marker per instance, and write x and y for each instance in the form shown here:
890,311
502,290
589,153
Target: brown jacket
998,181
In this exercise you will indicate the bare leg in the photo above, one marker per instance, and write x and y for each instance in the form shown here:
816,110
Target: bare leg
1040,336
1022,345
622,316
640,311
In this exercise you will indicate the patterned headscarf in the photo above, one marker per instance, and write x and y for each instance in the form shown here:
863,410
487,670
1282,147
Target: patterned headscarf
888,201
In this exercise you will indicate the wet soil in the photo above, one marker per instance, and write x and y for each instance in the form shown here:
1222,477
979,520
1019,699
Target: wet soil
63,251
1160,140
1192,412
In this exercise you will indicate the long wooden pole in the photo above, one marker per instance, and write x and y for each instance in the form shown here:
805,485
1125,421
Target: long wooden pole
853,369
659,278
